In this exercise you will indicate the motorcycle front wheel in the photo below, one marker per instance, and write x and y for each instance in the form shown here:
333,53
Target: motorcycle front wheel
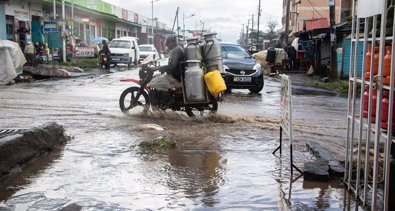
128,100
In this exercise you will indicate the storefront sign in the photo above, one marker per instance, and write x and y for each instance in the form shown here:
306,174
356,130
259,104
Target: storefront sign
91,4
50,26
54,40
367,8
21,15
84,20
85,52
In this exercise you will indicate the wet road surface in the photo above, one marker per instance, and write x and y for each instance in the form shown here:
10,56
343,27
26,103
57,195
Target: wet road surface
223,161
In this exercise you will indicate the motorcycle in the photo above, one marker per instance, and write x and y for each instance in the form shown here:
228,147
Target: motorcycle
104,61
144,97
41,56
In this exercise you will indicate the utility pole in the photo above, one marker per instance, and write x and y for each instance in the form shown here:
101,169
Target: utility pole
333,72
252,29
72,20
257,34
286,22
247,30
64,31
242,43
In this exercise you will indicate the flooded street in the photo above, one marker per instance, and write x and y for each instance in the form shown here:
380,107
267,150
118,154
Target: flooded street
219,162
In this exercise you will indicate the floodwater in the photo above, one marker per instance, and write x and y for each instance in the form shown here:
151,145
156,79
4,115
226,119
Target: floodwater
220,162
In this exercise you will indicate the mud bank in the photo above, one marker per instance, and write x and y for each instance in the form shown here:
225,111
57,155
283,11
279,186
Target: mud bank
18,149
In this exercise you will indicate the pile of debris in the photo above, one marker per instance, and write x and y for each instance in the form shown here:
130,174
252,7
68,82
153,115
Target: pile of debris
52,70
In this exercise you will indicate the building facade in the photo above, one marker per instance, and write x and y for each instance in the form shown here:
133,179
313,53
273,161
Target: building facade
84,20
303,10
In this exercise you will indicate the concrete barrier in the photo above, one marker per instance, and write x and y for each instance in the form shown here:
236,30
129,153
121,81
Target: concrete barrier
17,149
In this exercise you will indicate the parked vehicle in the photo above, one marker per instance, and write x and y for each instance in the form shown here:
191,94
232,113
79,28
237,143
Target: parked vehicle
146,50
124,50
143,97
241,71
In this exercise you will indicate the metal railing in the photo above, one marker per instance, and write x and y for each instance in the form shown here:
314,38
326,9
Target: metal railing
369,132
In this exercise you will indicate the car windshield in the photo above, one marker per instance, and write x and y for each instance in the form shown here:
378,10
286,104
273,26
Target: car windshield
145,48
120,44
234,52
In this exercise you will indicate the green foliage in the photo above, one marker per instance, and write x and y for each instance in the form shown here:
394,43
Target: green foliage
339,86
84,63
157,144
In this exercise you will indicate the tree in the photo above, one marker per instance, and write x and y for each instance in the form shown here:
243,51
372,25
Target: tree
270,33
271,24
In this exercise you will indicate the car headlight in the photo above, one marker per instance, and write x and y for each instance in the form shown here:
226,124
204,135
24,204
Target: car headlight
226,68
126,55
257,67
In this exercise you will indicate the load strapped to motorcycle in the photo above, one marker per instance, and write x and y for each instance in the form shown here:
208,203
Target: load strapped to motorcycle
201,82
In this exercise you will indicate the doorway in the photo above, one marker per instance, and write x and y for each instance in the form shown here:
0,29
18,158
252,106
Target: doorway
10,27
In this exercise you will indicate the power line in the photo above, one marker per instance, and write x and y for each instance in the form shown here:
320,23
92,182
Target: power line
315,9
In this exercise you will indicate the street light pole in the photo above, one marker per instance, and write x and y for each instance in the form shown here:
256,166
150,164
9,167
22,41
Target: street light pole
54,9
152,17
183,24
201,22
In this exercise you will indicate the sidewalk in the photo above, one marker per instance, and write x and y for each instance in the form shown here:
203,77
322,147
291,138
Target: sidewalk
300,85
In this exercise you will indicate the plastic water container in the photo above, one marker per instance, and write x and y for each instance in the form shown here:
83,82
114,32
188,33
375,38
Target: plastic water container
214,82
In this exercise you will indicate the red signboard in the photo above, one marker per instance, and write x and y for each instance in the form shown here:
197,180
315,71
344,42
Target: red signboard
317,23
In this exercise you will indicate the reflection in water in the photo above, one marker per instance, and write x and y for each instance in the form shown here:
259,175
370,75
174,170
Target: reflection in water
197,173
11,184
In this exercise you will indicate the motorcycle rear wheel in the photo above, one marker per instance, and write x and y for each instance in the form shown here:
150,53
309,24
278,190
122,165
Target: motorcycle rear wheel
127,97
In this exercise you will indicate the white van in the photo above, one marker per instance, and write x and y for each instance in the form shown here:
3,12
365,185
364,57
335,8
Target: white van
124,50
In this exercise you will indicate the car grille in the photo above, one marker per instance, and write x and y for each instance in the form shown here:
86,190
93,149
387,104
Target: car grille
237,72
116,54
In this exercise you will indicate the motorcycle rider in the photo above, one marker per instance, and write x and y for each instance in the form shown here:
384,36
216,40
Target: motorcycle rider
170,77
106,51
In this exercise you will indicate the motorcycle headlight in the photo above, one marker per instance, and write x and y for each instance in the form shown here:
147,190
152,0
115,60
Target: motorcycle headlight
257,67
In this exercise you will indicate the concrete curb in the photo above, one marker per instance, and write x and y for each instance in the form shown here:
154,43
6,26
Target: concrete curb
300,88
335,169
18,149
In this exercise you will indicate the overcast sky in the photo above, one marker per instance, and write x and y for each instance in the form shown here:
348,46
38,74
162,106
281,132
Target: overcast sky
223,16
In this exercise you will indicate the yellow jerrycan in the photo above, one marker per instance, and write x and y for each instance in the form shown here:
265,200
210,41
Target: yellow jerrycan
214,82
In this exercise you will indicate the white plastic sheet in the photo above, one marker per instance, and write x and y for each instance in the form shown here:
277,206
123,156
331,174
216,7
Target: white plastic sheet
164,82
12,60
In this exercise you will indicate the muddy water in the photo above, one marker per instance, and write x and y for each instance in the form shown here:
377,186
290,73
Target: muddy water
223,161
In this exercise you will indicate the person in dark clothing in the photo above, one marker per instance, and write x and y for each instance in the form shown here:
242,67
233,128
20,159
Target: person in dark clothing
106,51
291,51
170,77
22,31
177,56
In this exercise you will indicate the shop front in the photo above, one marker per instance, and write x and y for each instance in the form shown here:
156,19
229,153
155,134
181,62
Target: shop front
21,22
